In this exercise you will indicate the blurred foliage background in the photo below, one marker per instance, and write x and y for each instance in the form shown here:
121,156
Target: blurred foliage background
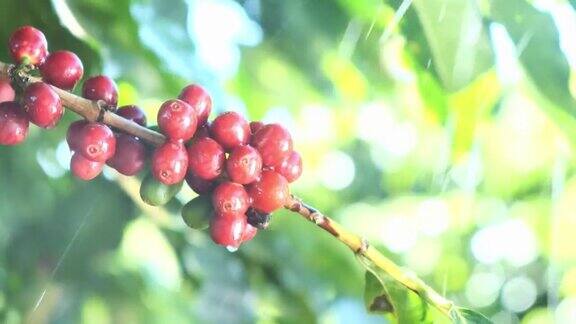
441,130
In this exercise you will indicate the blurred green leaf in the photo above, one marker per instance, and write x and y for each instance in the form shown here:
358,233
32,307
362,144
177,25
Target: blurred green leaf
382,294
467,316
450,36
536,33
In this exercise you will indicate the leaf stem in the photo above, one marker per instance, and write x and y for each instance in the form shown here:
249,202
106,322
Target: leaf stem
362,248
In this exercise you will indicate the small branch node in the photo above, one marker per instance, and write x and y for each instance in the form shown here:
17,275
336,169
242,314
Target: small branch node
364,245
317,217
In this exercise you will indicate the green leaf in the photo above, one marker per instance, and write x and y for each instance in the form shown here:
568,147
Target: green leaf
542,57
375,296
448,35
467,316
383,295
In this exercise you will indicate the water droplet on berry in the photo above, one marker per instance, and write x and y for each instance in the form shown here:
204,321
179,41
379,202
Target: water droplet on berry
231,248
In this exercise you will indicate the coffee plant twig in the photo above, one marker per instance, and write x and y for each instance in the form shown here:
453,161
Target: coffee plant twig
96,111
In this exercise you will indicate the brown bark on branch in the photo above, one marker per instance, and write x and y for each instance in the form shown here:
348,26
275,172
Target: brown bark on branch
94,111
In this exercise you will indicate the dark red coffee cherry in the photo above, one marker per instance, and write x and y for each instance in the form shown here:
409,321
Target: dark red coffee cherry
62,69
206,158
73,136
28,45
230,198
258,219
230,129
228,230
6,91
255,126
102,88
83,168
249,233
177,120
273,142
291,167
42,104
244,164
133,113
270,192
97,142
130,156
169,163
199,99
199,185
13,123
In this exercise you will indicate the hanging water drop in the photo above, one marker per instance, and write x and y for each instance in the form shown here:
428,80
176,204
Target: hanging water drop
231,248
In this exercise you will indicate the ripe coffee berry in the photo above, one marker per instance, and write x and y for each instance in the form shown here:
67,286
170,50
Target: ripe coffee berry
83,168
228,230
206,158
130,156
6,91
62,69
273,142
230,198
249,233
169,163
42,104
133,113
97,142
270,192
28,45
177,120
244,164
199,99
13,123
230,129
73,135
291,167
101,88
199,185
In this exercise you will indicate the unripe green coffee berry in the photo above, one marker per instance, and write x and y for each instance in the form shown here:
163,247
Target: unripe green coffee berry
155,193
197,212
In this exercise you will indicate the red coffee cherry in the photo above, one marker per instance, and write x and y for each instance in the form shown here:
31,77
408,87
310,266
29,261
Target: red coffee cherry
62,69
274,144
6,91
199,99
133,113
83,168
255,126
102,88
230,198
169,163
73,136
291,167
228,230
249,233
206,158
199,185
130,156
177,120
42,104
244,164
28,45
270,192
97,142
230,129
13,123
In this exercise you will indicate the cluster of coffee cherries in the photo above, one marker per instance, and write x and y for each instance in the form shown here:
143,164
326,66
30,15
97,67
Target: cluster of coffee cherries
241,170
